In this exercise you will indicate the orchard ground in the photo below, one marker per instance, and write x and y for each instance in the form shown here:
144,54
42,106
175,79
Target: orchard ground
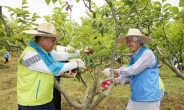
117,100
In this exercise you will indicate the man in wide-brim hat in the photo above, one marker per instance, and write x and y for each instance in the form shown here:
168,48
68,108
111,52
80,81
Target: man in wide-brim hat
141,73
37,66
137,34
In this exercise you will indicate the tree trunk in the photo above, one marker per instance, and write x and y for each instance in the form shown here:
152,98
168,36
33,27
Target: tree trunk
8,34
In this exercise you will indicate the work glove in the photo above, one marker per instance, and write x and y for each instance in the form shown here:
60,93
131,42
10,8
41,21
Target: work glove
106,72
64,49
70,49
80,63
61,49
77,52
106,83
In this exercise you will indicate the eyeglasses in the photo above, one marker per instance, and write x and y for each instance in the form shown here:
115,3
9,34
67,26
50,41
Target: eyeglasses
129,40
51,39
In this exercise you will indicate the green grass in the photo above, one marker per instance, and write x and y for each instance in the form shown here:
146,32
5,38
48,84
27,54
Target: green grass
117,100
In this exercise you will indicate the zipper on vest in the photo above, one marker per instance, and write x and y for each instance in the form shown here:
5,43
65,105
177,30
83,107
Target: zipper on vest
38,88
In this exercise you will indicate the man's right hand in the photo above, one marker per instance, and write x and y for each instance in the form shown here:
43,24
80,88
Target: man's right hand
106,72
80,63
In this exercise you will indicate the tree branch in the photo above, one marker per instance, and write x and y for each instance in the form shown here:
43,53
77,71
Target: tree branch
61,90
169,64
7,29
127,16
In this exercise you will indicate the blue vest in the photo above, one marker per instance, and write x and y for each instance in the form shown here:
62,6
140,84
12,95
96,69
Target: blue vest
145,85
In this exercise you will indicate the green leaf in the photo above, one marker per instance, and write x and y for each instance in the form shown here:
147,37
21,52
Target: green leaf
24,2
12,14
166,10
157,8
166,5
141,1
9,8
35,16
163,1
181,3
2,34
174,9
78,75
69,28
176,18
128,2
47,1
157,4
77,1
104,52
54,1
87,60
24,6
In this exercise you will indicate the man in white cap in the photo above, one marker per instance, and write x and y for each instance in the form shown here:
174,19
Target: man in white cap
37,66
142,73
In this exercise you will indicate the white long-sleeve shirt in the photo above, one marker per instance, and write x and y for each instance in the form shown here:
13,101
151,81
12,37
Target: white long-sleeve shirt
33,61
146,60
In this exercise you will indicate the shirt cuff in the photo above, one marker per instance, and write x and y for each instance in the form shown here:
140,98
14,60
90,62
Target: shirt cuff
121,80
120,72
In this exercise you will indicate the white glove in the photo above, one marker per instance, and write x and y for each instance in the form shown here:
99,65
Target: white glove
70,48
77,52
80,63
106,72
61,49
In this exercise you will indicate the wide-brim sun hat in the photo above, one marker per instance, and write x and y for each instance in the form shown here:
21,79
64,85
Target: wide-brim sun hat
45,29
134,32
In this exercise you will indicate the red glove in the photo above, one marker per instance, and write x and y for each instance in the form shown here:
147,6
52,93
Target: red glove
106,83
